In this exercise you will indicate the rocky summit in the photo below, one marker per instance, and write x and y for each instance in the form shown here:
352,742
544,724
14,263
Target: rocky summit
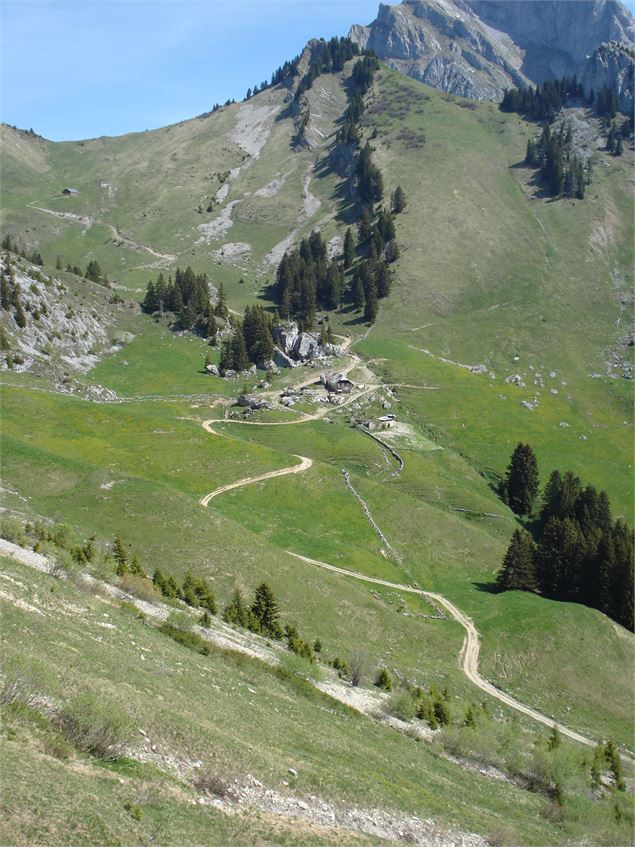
477,48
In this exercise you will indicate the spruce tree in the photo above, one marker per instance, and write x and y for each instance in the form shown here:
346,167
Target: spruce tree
349,248
265,611
518,572
6,297
240,359
521,482
359,298
136,567
20,316
371,309
398,200
236,611
120,555
221,306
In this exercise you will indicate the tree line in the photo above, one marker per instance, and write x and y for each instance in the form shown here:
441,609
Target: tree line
575,550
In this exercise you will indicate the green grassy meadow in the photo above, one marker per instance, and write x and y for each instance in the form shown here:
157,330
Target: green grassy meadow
490,274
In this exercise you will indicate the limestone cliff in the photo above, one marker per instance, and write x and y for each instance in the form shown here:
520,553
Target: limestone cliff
476,48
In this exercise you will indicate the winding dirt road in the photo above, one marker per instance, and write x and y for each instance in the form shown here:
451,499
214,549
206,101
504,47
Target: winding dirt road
469,652
304,465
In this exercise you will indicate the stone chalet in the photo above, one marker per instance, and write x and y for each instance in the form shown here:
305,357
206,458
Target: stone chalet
336,383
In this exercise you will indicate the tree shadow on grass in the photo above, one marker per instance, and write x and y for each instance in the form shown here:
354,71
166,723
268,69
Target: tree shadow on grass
487,587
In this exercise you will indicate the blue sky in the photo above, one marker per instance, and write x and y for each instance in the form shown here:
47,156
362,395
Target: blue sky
82,68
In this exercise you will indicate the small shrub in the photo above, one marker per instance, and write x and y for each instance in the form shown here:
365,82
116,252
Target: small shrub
188,639
135,810
402,706
11,529
383,680
56,745
24,680
300,666
211,783
94,725
140,587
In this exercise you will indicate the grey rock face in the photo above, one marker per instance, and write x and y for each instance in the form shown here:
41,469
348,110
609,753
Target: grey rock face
281,360
557,37
611,65
477,48
305,346
285,336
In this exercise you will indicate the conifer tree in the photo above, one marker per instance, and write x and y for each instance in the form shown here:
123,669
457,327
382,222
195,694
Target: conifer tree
240,359
236,611
136,567
518,572
265,610
398,200
521,481
359,298
20,316
371,309
6,297
612,756
597,765
120,555
221,306
349,248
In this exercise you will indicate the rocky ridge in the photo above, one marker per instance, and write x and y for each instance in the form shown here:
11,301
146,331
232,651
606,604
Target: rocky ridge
477,48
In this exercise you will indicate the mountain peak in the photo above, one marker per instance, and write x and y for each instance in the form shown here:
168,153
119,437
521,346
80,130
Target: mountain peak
477,48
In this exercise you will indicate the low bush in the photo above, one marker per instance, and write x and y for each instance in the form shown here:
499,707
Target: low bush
95,725
191,640
140,587
402,706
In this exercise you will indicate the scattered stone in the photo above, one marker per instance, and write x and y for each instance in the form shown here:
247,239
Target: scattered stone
292,771
515,379
212,370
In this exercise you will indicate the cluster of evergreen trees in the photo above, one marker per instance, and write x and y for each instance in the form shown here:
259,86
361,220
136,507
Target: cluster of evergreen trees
543,102
562,171
194,590
327,57
578,553
187,297
250,342
35,257
306,280
262,616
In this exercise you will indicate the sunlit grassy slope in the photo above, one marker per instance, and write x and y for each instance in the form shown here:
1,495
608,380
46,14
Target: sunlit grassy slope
490,274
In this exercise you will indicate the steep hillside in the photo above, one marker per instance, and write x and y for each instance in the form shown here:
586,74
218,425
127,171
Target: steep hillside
506,321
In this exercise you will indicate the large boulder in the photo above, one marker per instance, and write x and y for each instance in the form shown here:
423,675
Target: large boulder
285,336
281,360
305,346
332,350
246,400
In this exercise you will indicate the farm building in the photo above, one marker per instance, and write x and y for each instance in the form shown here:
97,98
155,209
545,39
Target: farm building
336,383
70,192
382,423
